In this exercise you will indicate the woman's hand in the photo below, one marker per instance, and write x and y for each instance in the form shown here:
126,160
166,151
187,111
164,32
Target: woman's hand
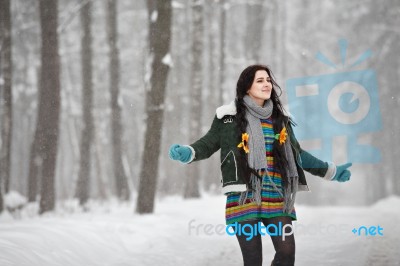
342,174
180,153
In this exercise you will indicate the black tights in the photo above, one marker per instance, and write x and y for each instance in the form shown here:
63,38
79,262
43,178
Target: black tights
252,249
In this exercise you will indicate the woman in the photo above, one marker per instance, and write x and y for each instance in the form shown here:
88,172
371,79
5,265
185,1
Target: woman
261,162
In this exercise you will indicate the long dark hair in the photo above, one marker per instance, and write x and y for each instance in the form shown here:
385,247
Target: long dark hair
244,83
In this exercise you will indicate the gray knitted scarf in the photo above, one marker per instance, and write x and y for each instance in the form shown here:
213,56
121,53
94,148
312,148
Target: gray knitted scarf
257,156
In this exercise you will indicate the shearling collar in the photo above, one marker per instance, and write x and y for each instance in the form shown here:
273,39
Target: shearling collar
228,109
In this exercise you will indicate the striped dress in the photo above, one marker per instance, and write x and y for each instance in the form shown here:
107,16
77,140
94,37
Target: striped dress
271,201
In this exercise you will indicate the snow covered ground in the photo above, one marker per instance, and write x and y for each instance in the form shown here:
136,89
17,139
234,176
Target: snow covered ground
191,232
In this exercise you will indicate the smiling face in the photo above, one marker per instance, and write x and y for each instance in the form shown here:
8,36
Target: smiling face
261,89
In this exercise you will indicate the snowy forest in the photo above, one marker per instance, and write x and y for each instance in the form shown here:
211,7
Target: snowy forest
93,94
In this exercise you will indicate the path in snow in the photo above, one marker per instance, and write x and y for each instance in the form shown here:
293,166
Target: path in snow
114,236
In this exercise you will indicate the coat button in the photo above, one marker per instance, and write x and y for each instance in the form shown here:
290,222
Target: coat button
228,161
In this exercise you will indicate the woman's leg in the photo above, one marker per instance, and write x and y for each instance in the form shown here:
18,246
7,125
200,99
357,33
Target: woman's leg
252,248
284,249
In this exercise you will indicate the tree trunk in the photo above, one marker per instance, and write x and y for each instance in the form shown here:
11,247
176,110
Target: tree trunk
213,89
256,15
222,45
213,53
160,13
283,29
390,100
45,141
119,174
6,105
274,60
82,187
35,160
104,189
394,108
193,170
35,164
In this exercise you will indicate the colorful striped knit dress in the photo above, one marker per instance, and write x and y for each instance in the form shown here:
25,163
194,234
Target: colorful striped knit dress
271,201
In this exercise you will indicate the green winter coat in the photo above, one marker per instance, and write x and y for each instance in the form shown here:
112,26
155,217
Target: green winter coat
223,135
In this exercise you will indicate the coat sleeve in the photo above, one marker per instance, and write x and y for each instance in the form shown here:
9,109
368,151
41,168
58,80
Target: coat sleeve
209,143
310,163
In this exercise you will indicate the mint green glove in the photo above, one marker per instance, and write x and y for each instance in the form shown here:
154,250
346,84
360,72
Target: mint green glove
342,174
180,153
